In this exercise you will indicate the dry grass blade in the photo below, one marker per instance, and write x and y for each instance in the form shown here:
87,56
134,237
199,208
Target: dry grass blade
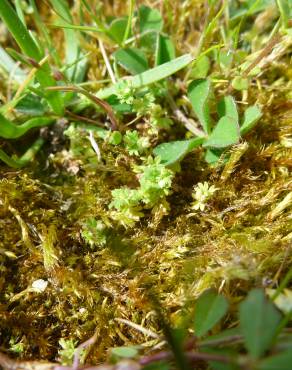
101,103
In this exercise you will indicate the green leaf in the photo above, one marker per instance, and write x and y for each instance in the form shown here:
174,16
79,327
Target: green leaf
240,83
175,151
132,60
225,59
285,9
124,352
199,93
31,105
74,57
212,156
159,365
117,29
251,117
225,133
213,340
148,42
227,107
201,67
19,57
259,321
282,361
165,50
152,75
10,130
8,64
149,19
226,352
27,157
210,307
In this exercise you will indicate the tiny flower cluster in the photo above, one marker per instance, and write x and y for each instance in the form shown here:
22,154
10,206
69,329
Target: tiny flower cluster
202,192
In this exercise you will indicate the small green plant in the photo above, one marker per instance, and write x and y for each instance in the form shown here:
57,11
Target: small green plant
16,346
67,351
155,183
226,132
94,232
143,103
135,144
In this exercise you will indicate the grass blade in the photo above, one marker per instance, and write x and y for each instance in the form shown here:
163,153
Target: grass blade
152,75
8,64
77,71
26,158
9,130
29,47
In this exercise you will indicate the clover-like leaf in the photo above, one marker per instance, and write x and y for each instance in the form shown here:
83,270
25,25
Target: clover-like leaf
165,50
227,107
199,93
175,151
117,29
251,117
149,19
132,60
225,133
210,307
259,320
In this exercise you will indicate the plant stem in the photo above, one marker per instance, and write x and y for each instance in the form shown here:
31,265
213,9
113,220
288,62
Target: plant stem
129,24
26,158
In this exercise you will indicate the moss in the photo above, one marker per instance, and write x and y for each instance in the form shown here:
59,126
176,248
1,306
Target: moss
240,239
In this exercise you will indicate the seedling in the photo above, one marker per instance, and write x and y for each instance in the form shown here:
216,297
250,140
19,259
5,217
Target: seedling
225,133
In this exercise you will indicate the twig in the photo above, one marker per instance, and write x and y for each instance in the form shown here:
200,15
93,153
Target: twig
140,328
107,62
87,343
188,123
76,117
266,51
101,103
